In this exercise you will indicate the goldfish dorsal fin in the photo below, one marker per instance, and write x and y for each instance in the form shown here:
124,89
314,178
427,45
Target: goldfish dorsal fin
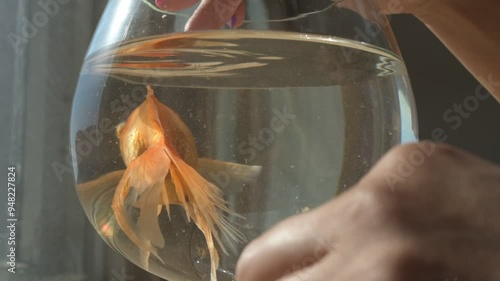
150,91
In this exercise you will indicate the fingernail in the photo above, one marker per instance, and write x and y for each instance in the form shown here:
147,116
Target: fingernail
232,22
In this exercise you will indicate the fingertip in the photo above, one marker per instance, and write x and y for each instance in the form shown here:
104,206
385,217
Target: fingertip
278,252
259,261
243,265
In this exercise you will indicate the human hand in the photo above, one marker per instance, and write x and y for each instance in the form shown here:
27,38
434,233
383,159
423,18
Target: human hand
424,212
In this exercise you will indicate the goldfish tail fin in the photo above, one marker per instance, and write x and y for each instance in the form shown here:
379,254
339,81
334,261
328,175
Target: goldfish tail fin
166,200
148,222
206,208
144,259
205,205
146,175
120,212
206,200
214,256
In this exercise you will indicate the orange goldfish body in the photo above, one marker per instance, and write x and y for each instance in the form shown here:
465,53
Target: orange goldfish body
162,162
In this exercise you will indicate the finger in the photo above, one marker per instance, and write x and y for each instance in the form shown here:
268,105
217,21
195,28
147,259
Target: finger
239,16
213,14
291,246
175,5
379,261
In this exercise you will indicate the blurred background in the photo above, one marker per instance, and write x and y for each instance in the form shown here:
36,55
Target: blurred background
38,76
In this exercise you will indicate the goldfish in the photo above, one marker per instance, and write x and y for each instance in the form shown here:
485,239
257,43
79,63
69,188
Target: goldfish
163,169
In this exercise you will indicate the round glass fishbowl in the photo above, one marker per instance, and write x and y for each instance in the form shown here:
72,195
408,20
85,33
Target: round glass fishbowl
197,127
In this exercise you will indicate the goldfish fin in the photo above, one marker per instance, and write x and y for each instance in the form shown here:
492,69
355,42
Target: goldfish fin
168,196
111,179
180,189
146,175
159,208
144,259
120,211
88,191
230,177
209,210
165,200
214,255
207,202
147,223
